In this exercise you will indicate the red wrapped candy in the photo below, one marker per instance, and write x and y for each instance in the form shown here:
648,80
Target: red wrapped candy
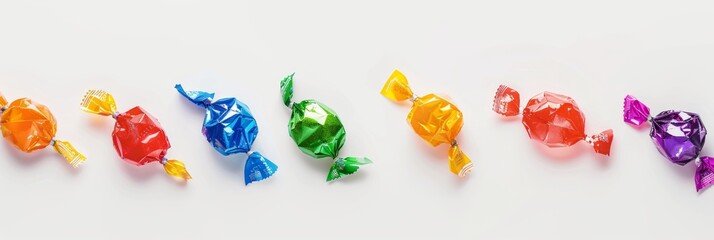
138,137
551,118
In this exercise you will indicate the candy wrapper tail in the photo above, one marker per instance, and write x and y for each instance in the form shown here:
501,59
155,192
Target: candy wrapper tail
635,112
507,101
176,168
286,89
397,87
99,102
601,142
199,98
258,168
346,166
459,163
73,157
3,103
704,176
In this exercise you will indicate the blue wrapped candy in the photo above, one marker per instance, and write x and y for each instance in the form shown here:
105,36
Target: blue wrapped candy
230,128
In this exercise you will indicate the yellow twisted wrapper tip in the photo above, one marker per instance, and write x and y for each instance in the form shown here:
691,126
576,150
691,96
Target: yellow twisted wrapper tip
3,101
73,157
397,87
459,163
99,102
177,169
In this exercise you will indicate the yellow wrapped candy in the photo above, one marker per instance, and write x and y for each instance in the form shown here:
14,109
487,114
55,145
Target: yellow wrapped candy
30,126
433,118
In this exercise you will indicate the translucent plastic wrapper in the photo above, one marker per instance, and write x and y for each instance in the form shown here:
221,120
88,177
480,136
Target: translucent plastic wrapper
30,126
678,135
230,128
552,119
318,132
433,118
138,137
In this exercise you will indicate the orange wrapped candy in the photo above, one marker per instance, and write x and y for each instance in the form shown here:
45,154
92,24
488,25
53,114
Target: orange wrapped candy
433,118
30,126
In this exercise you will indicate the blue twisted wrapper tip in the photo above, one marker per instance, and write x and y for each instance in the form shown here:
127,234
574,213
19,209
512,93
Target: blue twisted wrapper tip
258,168
199,98
228,124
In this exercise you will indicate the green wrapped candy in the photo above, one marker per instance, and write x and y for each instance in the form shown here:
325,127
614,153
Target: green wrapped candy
318,132
316,129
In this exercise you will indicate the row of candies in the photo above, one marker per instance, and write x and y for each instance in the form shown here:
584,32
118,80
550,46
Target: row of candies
550,118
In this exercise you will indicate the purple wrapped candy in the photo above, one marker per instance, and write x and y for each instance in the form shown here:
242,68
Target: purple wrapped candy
678,135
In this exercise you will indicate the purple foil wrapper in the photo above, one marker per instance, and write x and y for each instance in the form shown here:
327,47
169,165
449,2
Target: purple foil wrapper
705,173
678,135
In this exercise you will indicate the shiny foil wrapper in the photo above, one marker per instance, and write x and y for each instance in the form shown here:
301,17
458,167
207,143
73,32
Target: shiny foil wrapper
678,135
138,137
433,118
230,128
318,132
30,126
552,119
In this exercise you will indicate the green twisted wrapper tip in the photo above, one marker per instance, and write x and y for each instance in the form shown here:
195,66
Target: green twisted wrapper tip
318,132
346,166
286,88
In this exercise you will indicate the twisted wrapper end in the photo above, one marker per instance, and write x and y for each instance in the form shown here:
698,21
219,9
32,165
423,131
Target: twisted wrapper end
459,163
635,112
346,166
176,169
3,103
258,168
704,177
507,101
397,88
99,102
601,142
199,98
73,157
286,89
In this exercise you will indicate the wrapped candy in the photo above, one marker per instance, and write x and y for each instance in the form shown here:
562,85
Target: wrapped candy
138,137
230,128
551,118
678,135
433,118
30,126
318,132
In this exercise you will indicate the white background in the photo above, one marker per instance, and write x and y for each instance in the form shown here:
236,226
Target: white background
52,51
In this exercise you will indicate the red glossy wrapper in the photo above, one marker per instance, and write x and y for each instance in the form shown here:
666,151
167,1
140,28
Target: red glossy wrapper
138,137
552,119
